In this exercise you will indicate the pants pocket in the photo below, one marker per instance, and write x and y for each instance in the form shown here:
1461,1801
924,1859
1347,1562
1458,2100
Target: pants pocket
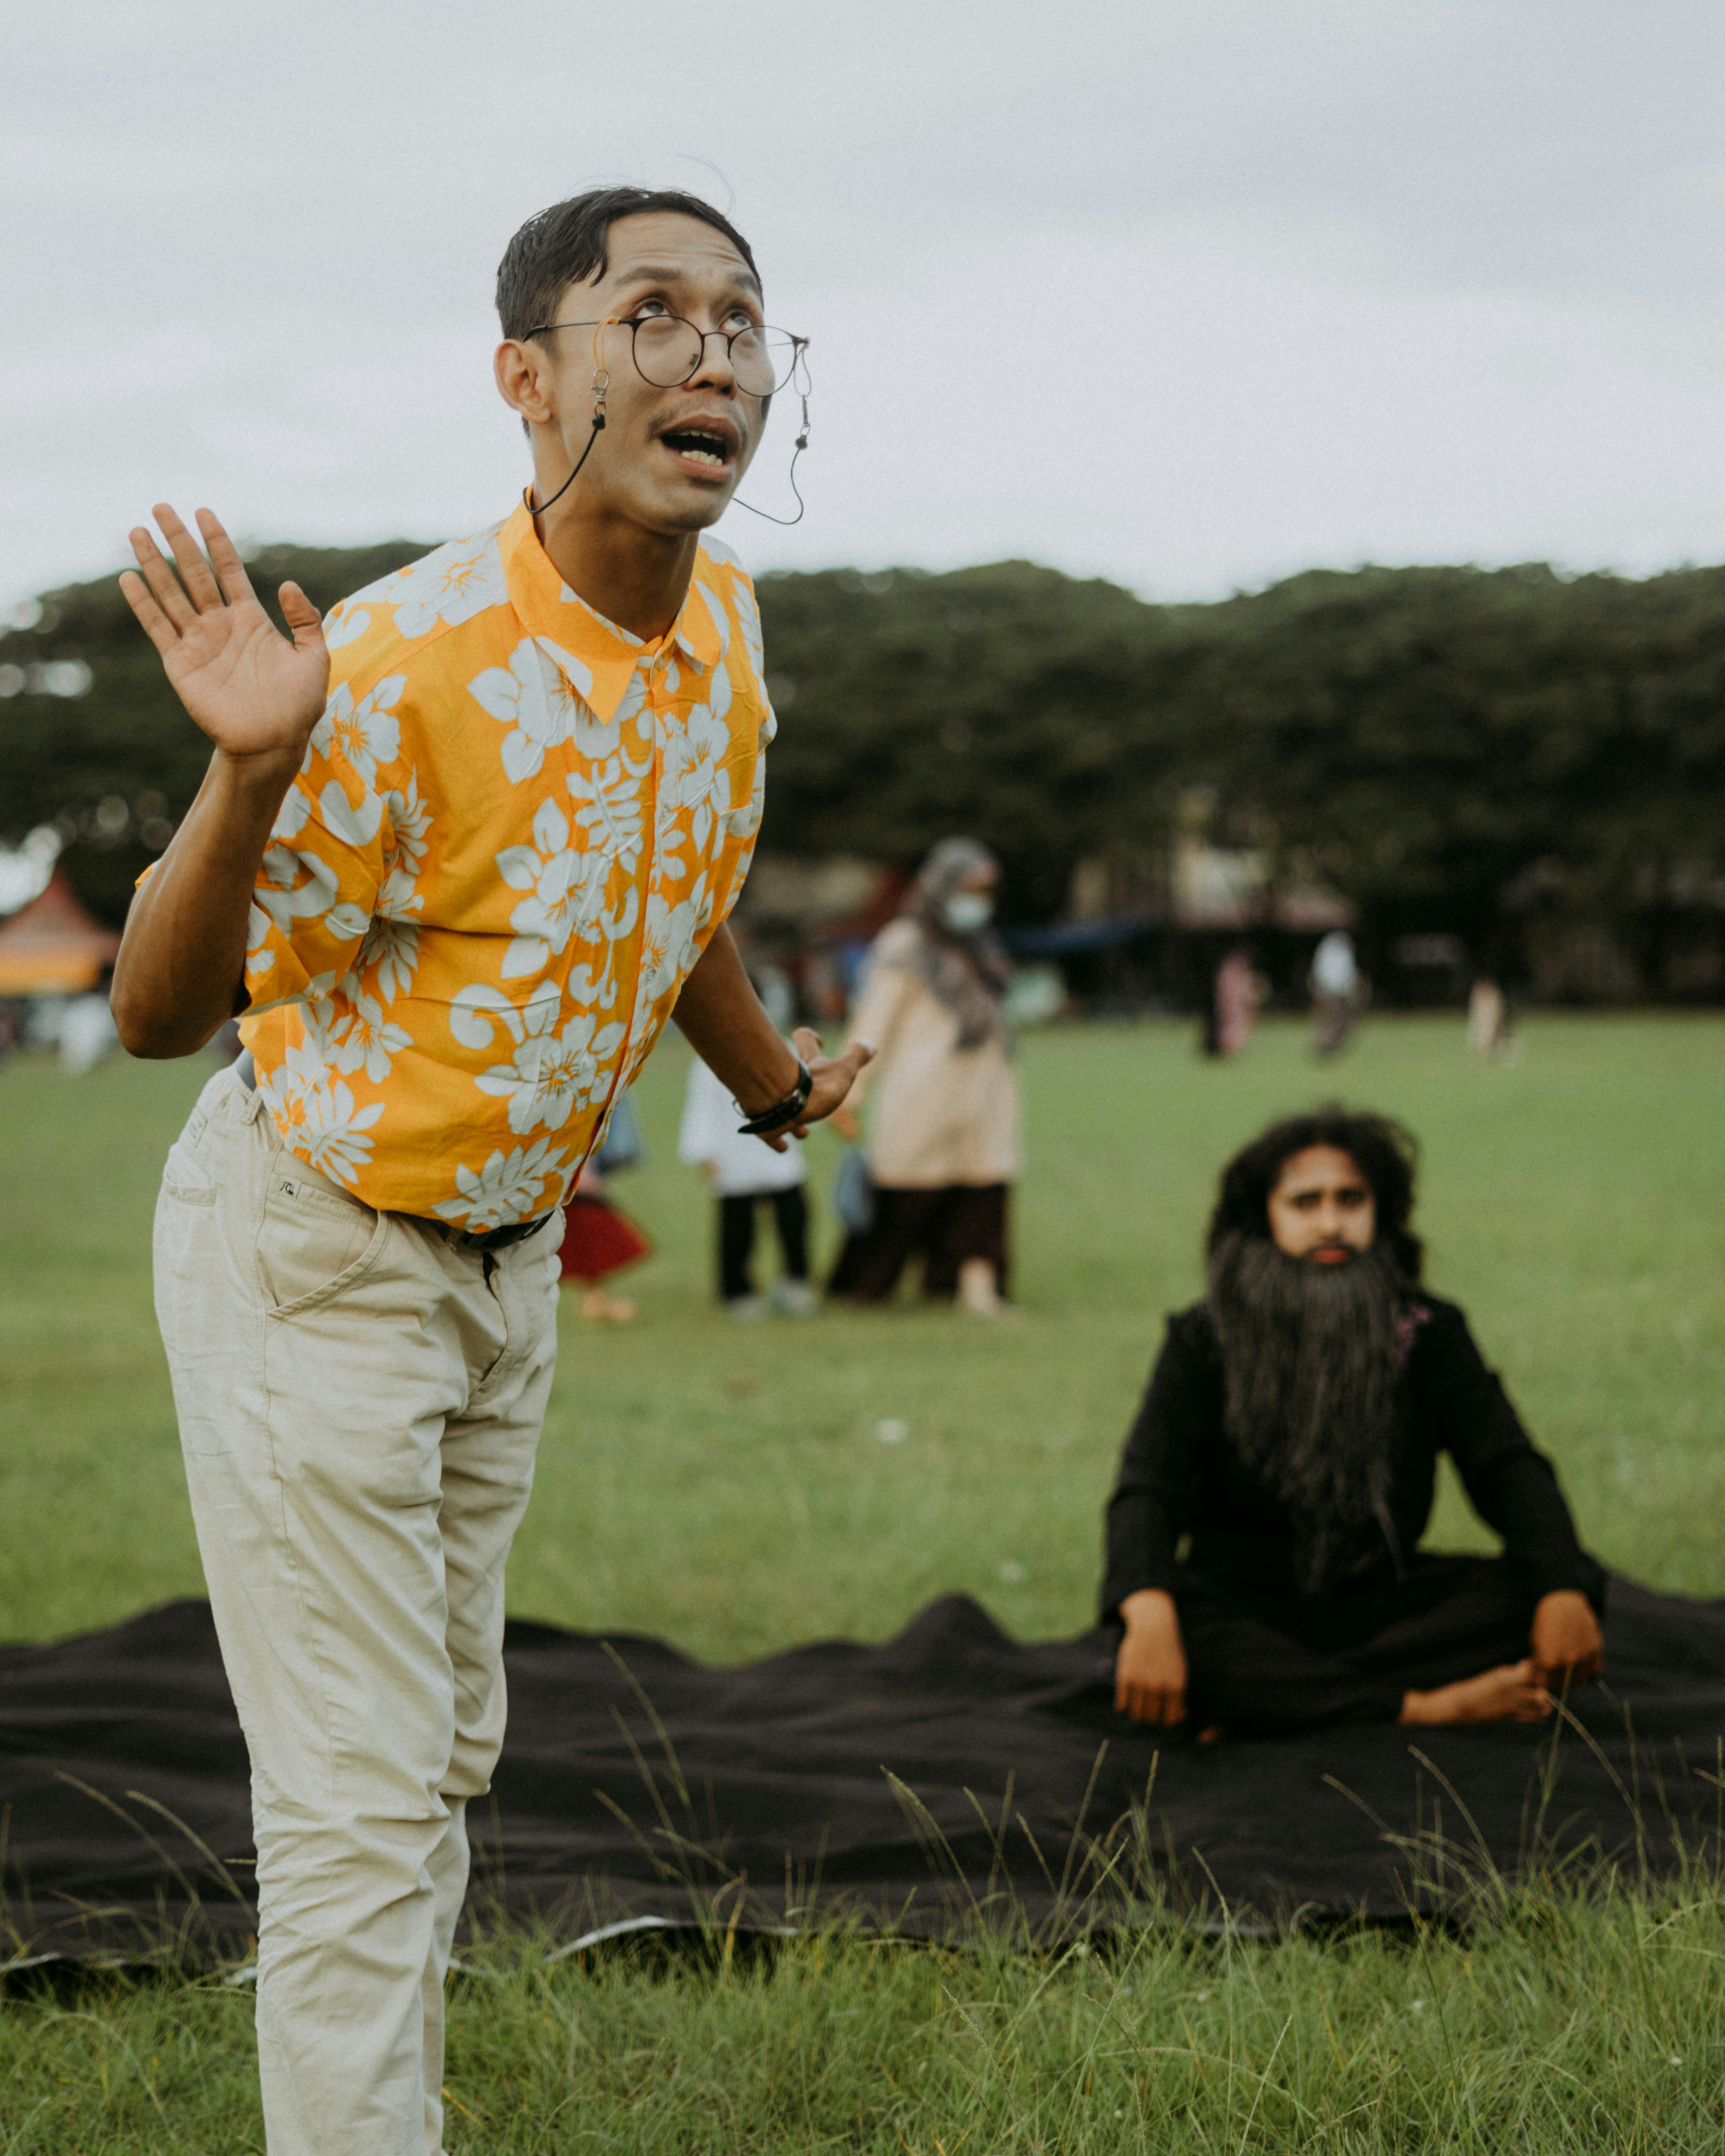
311,1242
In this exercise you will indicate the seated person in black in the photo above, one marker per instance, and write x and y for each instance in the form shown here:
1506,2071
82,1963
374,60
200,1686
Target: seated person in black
1263,1536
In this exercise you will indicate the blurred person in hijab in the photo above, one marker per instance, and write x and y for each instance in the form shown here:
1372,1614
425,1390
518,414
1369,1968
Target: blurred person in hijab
943,1149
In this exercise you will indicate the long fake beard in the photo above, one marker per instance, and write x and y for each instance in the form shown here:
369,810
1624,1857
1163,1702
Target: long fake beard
1309,1357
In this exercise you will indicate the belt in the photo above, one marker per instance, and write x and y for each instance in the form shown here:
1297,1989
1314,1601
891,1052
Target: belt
492,1239
462,1239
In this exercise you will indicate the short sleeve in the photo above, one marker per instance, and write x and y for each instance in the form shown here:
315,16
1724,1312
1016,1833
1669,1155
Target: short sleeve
740,680
317,888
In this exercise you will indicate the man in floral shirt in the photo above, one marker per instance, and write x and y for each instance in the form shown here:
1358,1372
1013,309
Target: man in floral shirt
461,851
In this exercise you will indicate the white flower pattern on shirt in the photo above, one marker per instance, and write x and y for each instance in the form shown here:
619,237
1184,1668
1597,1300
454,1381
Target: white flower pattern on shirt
541,698
505,1189
608,809
565,892
390,953
450,586
668,932
365,734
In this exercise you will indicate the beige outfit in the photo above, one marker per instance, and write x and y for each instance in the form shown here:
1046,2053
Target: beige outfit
942,1114
359,1404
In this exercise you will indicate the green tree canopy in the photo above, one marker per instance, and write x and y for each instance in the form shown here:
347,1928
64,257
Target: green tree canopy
1440,741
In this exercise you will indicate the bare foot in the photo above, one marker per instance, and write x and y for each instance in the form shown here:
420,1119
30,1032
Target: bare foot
599,1308
1510,1693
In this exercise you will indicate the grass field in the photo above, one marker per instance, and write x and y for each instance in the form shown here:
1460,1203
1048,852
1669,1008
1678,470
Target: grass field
723,1486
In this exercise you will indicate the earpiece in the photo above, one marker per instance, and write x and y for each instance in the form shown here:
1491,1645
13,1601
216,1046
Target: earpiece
601,385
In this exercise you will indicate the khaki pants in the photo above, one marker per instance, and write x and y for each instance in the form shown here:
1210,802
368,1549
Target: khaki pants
359,1403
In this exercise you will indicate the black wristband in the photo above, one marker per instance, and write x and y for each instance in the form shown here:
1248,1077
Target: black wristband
786,1110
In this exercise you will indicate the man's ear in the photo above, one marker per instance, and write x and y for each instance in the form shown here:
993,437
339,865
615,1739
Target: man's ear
523,375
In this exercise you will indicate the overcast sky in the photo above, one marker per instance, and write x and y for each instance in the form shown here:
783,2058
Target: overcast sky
1187,295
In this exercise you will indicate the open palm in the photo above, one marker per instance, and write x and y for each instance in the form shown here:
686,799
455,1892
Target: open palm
250,689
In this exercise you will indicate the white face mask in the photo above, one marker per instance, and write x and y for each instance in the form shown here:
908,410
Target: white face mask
967,910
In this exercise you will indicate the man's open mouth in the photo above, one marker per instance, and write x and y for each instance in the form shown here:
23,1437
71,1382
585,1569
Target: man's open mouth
700,445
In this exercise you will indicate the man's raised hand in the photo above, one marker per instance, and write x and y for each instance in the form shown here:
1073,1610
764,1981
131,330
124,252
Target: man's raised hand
253,692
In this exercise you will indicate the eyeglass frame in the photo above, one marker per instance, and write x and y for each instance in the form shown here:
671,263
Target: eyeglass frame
634,324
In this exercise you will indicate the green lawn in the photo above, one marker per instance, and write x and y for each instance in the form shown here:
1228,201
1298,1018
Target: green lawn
724,1487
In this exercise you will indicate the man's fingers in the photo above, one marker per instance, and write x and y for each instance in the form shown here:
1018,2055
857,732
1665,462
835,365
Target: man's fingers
301,617
858,1053
201,586
1160,1709
154,622
164,585
1554,1675
224,555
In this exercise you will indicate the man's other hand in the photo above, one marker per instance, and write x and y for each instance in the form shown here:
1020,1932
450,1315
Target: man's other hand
833,1076
254,694
1150,1668
1566,1642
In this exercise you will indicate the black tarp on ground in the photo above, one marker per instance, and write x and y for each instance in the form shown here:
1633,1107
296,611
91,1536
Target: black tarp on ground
123,1785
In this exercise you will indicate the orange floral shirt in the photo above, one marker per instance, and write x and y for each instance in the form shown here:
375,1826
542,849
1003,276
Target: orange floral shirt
515,830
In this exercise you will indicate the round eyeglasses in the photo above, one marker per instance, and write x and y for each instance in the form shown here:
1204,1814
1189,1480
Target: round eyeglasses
668,351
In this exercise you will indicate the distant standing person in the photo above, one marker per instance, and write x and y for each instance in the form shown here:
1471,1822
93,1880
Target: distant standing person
1335,991
1491,1021
743,1171
944,1151
1238,990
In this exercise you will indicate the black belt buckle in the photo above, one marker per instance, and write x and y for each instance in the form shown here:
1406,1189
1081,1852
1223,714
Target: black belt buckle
497,1238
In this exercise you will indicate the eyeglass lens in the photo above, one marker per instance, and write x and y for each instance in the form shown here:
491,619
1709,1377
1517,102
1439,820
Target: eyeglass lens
668,351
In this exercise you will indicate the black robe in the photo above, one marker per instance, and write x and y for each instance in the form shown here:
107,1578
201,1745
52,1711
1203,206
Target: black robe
1188,1515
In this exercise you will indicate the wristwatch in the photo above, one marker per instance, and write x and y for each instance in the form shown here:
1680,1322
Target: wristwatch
786,1110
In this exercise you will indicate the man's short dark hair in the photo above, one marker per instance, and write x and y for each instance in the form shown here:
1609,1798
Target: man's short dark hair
566,246
1385,1152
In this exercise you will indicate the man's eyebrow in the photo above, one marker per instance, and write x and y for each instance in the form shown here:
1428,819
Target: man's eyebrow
679,273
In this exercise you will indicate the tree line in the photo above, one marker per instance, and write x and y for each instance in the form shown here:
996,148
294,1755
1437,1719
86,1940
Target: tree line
1456,750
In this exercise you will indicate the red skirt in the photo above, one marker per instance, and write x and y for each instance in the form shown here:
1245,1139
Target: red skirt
598,1241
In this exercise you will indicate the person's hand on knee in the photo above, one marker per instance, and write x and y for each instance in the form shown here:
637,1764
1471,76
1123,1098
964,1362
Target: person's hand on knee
1565,1640
1150,1668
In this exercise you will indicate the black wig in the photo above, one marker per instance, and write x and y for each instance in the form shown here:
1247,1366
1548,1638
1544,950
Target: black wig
1384,1152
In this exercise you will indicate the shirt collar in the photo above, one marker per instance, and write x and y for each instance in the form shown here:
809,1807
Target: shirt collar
547,608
